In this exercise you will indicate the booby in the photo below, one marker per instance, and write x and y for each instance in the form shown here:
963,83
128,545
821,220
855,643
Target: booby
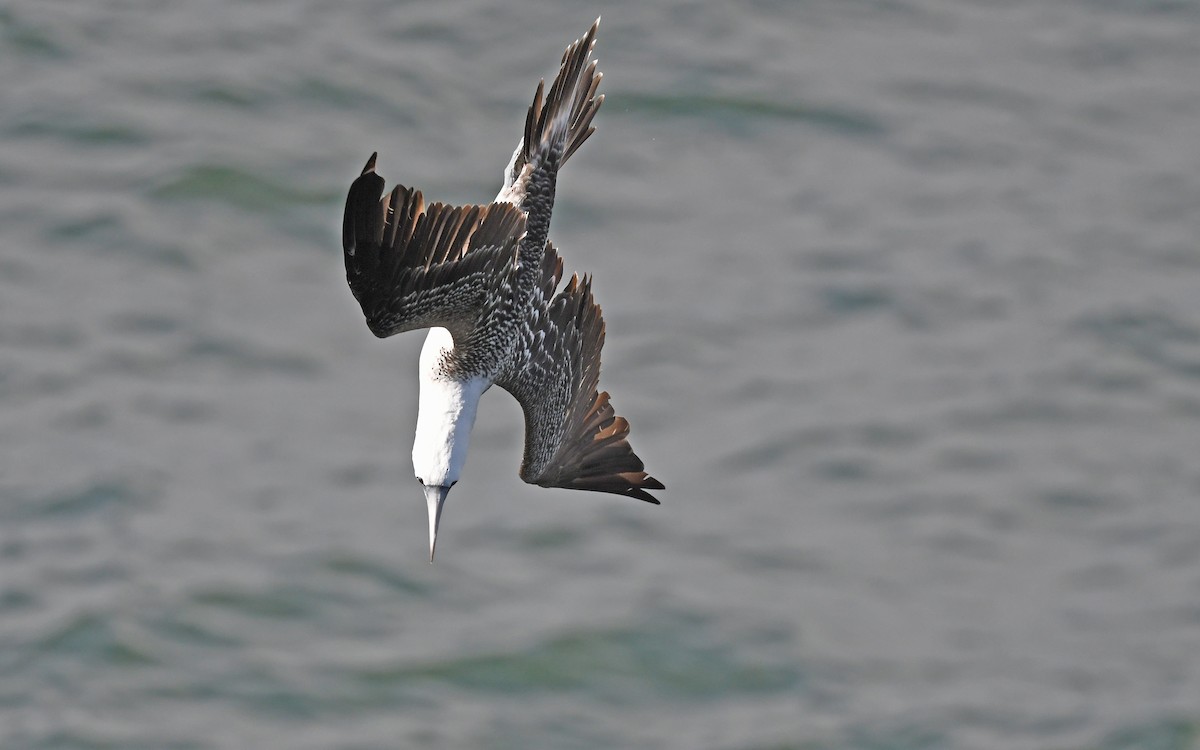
485,280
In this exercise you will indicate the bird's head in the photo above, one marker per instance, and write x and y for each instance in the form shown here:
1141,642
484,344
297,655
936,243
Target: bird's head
435,498
439,453
445,416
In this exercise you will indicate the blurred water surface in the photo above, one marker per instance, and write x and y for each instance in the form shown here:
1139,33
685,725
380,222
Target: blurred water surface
903,302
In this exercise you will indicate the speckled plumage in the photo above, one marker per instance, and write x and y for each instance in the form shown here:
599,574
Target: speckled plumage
489,275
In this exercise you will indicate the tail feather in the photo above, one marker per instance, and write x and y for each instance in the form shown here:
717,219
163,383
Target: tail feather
560,118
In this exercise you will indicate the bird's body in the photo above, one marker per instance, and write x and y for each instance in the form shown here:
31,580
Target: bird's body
484,279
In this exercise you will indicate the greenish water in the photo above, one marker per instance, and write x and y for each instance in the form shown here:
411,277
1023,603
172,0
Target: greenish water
902,306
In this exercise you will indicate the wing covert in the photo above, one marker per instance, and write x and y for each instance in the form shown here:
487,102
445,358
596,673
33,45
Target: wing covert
412,265
573,437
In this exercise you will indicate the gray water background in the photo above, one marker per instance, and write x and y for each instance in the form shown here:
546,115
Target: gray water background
903,303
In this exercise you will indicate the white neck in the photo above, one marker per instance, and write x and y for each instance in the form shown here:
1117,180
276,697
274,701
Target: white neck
445,415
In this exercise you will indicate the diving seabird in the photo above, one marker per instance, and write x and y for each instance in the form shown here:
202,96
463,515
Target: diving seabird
484,279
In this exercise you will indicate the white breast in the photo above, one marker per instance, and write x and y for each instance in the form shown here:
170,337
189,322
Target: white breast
445,415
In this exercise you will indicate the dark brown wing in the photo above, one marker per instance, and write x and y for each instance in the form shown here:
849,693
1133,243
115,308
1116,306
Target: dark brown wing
573,438
414,266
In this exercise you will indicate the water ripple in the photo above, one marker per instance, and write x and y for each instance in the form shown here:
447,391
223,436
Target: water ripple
733,110
622,665
1154,336
91,638
238,188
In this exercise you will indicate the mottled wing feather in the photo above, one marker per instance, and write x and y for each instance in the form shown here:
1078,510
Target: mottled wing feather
412,265
573,438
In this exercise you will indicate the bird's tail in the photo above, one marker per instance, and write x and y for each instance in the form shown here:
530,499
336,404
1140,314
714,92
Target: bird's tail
559,120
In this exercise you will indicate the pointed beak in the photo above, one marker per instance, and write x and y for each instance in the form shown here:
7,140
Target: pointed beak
435,496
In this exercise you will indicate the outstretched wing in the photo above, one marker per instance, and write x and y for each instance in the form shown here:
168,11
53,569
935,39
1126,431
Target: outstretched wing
573,438
412,266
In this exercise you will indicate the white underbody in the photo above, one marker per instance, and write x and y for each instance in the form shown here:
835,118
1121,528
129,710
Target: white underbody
445,415
446,409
